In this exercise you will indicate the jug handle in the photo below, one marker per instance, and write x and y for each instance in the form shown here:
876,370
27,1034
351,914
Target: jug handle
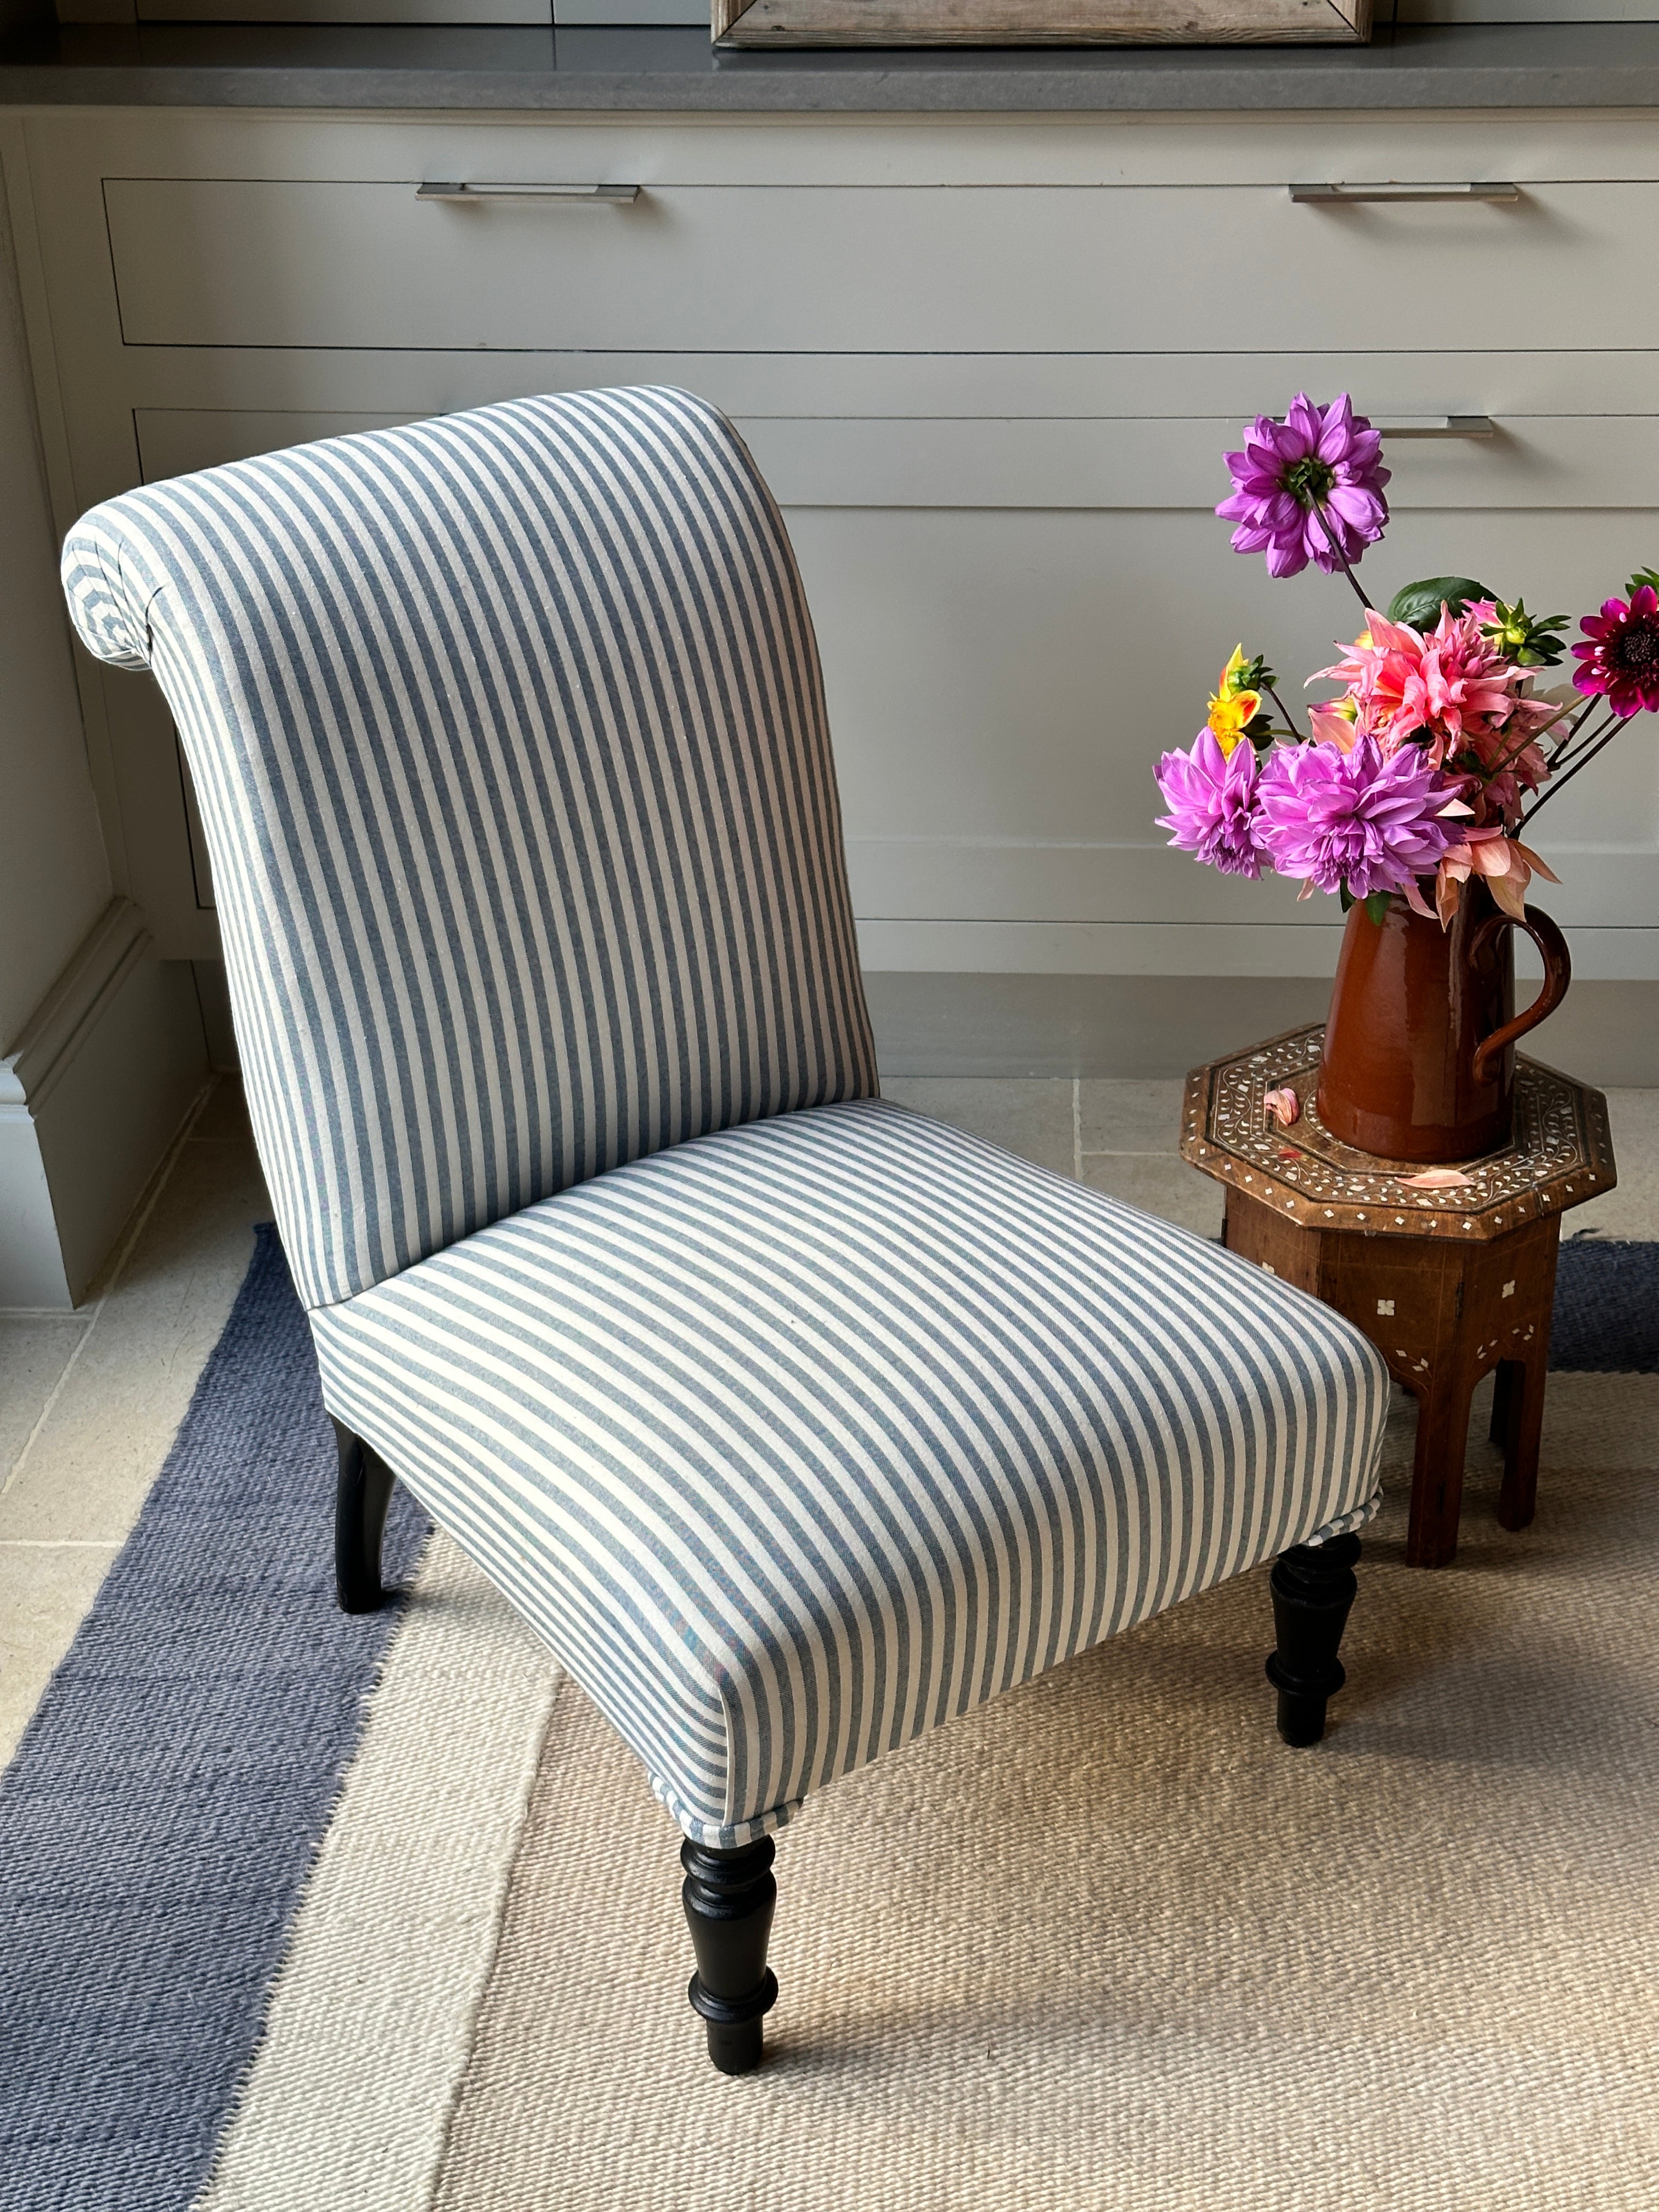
1557,973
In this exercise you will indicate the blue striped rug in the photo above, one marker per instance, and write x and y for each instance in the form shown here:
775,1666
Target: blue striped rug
160,1815
164,1809
1607,1307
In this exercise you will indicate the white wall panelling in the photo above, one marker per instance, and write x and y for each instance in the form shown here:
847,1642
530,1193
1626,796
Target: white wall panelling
54,873
103,1042
96,1088
989,369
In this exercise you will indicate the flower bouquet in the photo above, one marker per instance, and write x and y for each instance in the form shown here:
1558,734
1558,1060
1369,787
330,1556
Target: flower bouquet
1435,753
1433,757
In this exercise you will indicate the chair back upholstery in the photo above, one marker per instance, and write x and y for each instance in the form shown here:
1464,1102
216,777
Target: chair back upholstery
508,736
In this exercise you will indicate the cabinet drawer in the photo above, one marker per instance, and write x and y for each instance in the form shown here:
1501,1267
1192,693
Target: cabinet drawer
220,262
1531,462
1391,387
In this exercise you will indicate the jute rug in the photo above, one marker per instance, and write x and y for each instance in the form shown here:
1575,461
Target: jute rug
1109,1943
317,1918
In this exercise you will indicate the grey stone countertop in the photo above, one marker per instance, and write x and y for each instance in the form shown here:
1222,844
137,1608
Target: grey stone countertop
646,71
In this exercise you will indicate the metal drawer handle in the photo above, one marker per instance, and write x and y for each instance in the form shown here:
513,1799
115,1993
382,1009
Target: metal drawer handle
1327,194
579,195
1438,426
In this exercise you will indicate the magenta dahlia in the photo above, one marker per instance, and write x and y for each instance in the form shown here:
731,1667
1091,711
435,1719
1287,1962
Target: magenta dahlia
1622,657
1316,477
1212,796
1331,818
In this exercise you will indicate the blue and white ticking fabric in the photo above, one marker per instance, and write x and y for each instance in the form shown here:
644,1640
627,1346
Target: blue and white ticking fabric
508,735
798,1440
796,1424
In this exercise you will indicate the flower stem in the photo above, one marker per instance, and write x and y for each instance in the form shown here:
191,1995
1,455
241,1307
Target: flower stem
1574,727
1486,775
1286,712
1335,546
1490,774
1586,730
1567,758
1586,755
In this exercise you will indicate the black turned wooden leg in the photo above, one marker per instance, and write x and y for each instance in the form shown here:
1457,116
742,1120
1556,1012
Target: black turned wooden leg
729,1898
360,1509
1312,1587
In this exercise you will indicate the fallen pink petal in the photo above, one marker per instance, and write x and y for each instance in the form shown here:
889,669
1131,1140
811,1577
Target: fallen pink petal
1438,1179
1282,1106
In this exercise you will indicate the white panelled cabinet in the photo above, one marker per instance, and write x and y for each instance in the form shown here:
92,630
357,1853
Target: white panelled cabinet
989,369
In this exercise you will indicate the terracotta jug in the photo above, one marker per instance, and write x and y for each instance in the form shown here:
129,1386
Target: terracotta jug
1418,1061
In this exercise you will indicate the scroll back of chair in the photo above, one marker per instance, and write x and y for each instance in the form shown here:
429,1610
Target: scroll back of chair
508,736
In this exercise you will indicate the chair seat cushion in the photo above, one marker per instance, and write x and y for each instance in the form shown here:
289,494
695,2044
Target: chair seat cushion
799,1439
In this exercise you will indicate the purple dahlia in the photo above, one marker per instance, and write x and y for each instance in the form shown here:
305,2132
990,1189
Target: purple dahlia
1331,818
1319,471
1622,657
1211,796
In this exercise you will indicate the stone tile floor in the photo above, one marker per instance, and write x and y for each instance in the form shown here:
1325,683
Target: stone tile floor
92,1399
89,1401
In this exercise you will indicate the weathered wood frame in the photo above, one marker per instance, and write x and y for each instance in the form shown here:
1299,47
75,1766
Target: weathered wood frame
760,23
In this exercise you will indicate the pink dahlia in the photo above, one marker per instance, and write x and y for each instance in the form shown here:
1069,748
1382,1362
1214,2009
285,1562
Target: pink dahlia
1370,821
1622,657
1320,471
1211,796
1507,865
1452,689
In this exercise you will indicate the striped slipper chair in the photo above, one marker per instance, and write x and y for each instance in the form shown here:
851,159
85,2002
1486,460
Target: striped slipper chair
795,1423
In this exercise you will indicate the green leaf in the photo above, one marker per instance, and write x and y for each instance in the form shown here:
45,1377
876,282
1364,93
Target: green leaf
1253,676
1377,906
1649,576
1419,604
1345,895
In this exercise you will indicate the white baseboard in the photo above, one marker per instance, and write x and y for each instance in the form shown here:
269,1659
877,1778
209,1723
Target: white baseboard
1624,954
933,1023
90,1098
1029,905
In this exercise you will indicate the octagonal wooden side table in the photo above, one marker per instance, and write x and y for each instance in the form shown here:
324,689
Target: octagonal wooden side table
1447,1283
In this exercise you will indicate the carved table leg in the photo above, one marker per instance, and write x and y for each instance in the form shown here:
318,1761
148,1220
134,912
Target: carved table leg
729,1898
361,1501
1443,1425
1527,1297
1441,1315
1313,1586
1505,1380
1523,1428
